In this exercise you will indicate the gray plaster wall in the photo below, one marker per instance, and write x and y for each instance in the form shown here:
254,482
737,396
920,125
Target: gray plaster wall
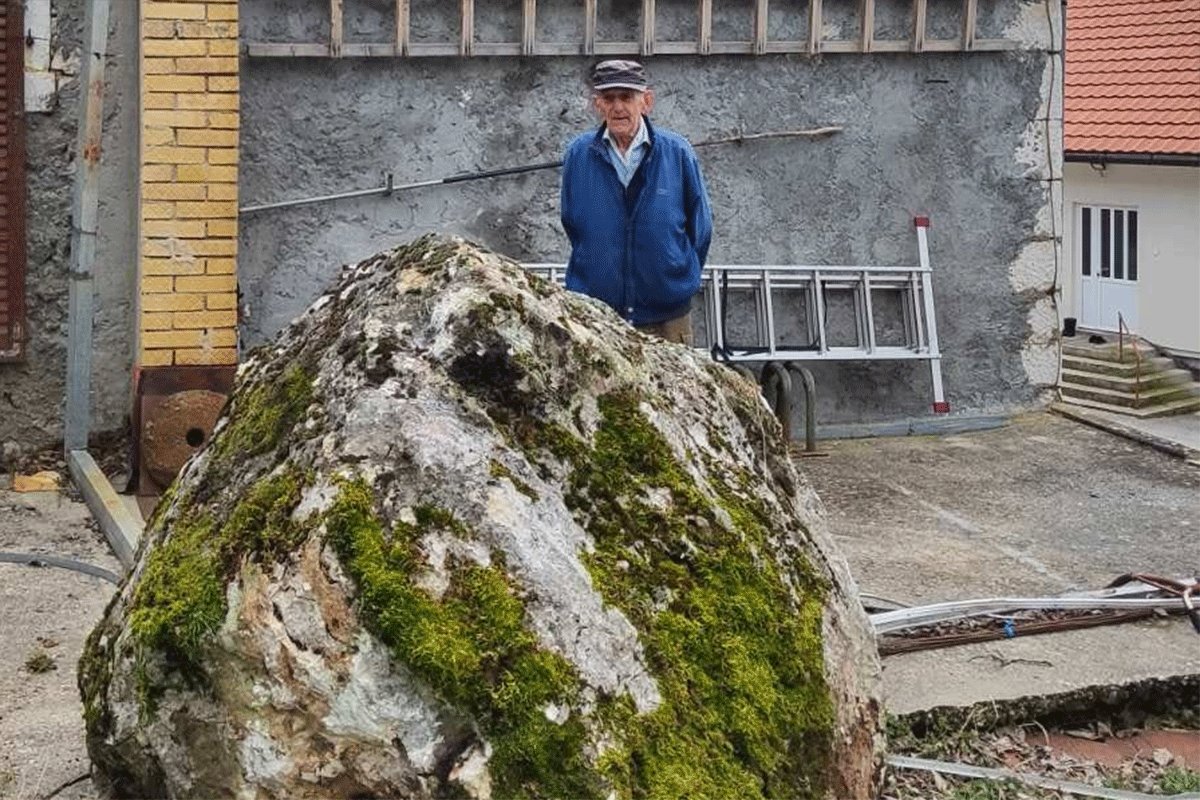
32,393
962,138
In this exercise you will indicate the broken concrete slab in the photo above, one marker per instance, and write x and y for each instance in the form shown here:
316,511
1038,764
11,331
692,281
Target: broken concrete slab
1042,506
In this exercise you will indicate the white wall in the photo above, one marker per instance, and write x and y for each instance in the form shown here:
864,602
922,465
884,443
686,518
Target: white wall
1168,203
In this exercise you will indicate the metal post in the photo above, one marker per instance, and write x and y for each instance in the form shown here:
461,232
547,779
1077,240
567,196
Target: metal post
84,215
940,406
820,295
810,405
777,389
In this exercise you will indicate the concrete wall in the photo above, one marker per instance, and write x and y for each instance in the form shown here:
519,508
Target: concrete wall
32,393
960,137
1168,203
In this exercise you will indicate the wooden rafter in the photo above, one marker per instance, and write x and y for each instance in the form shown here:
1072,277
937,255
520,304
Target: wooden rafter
969,14
589,27
814,26
867,14
761,18
648,15
528,27
919,15
646,43
466,42
335,28
402,27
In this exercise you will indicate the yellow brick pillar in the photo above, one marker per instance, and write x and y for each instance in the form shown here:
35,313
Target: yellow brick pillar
188,183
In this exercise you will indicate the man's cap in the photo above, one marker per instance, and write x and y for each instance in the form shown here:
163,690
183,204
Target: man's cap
619,75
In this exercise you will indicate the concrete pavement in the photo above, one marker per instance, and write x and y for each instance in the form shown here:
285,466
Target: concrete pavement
1042,506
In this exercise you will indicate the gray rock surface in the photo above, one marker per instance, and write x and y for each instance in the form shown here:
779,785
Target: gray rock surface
462,533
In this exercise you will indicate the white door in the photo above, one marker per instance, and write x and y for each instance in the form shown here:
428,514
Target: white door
1107,266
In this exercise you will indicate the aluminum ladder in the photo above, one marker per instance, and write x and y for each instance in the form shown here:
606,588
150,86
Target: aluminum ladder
757,290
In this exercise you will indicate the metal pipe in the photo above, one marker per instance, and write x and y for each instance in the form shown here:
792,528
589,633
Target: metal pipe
777,389
389,188
84,222
810,405
890,621
1039,781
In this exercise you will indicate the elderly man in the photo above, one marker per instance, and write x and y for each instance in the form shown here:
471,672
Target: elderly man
635,209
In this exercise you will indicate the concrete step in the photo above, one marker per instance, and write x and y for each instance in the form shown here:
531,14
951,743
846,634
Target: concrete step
1121,383
1184,406
1109,351
1127,369
1150,397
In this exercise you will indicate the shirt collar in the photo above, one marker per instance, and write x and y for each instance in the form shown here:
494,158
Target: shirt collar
640,138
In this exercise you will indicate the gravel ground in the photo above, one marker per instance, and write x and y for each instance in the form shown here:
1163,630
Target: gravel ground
45,615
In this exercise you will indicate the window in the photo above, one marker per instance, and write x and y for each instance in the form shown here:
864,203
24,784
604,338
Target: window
1108,249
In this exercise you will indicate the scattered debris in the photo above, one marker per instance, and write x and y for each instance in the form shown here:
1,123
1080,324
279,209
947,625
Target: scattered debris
44,481
1118,753
907,629
40,662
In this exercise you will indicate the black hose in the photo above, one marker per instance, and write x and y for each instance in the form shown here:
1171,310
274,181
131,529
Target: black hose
43,560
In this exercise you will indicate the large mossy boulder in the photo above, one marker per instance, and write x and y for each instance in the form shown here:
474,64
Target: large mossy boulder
461,533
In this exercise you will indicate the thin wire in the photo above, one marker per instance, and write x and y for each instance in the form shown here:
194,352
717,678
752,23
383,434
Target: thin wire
1054,287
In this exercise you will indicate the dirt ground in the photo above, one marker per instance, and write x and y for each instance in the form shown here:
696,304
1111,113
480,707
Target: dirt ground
45,615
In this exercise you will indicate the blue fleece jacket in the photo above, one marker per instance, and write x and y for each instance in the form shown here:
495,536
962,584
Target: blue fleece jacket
639,249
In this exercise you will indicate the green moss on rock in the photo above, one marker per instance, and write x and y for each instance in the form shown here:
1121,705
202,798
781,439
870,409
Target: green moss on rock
499,471
734,643
180,598
265,415
471,645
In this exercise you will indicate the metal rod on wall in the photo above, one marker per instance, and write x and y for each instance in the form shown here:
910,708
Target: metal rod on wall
390,187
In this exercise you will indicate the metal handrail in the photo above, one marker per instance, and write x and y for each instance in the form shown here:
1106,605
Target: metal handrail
1122,330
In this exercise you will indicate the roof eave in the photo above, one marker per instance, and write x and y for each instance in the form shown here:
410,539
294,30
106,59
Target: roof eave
1155,159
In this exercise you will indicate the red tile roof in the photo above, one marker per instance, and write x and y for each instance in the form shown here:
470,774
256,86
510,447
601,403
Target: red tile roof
1132,76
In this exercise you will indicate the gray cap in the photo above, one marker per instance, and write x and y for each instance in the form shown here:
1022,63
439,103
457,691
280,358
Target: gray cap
619,75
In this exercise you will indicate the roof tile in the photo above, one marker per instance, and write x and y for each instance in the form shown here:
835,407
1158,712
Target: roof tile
1133,76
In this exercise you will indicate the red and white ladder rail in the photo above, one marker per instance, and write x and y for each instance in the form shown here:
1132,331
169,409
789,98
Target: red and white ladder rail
756,289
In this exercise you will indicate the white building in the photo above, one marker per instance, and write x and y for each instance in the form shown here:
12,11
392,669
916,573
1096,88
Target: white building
1132,177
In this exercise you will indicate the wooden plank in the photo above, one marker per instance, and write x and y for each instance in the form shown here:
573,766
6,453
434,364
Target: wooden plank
589,27
844,46
466,42
433,49
970,10
867,13
403,31
676,48
116,520
335,28
732,48
919,15
761,12
814,26
787,47
647,48
12,183
706,16
369,50
500,49
618,48
528,27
